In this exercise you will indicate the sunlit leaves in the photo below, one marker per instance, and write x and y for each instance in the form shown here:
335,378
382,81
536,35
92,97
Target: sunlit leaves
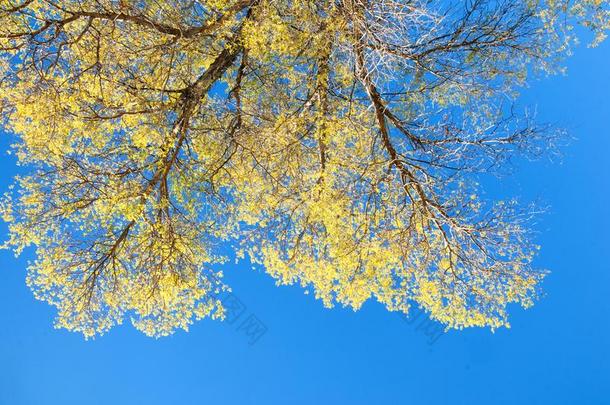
334,143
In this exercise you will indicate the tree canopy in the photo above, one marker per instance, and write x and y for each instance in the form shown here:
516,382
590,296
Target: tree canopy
335,143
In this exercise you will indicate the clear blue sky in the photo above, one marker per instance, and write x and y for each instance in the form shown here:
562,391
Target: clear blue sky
556,353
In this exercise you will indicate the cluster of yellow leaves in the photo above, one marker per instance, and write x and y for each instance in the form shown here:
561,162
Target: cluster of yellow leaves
130,193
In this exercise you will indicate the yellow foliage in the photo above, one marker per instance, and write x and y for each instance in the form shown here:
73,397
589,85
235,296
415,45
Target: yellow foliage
331,141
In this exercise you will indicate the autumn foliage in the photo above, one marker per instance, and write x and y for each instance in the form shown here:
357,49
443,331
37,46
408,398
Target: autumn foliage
335,143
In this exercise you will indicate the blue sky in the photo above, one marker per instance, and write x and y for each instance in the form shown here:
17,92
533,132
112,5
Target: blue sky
556,353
